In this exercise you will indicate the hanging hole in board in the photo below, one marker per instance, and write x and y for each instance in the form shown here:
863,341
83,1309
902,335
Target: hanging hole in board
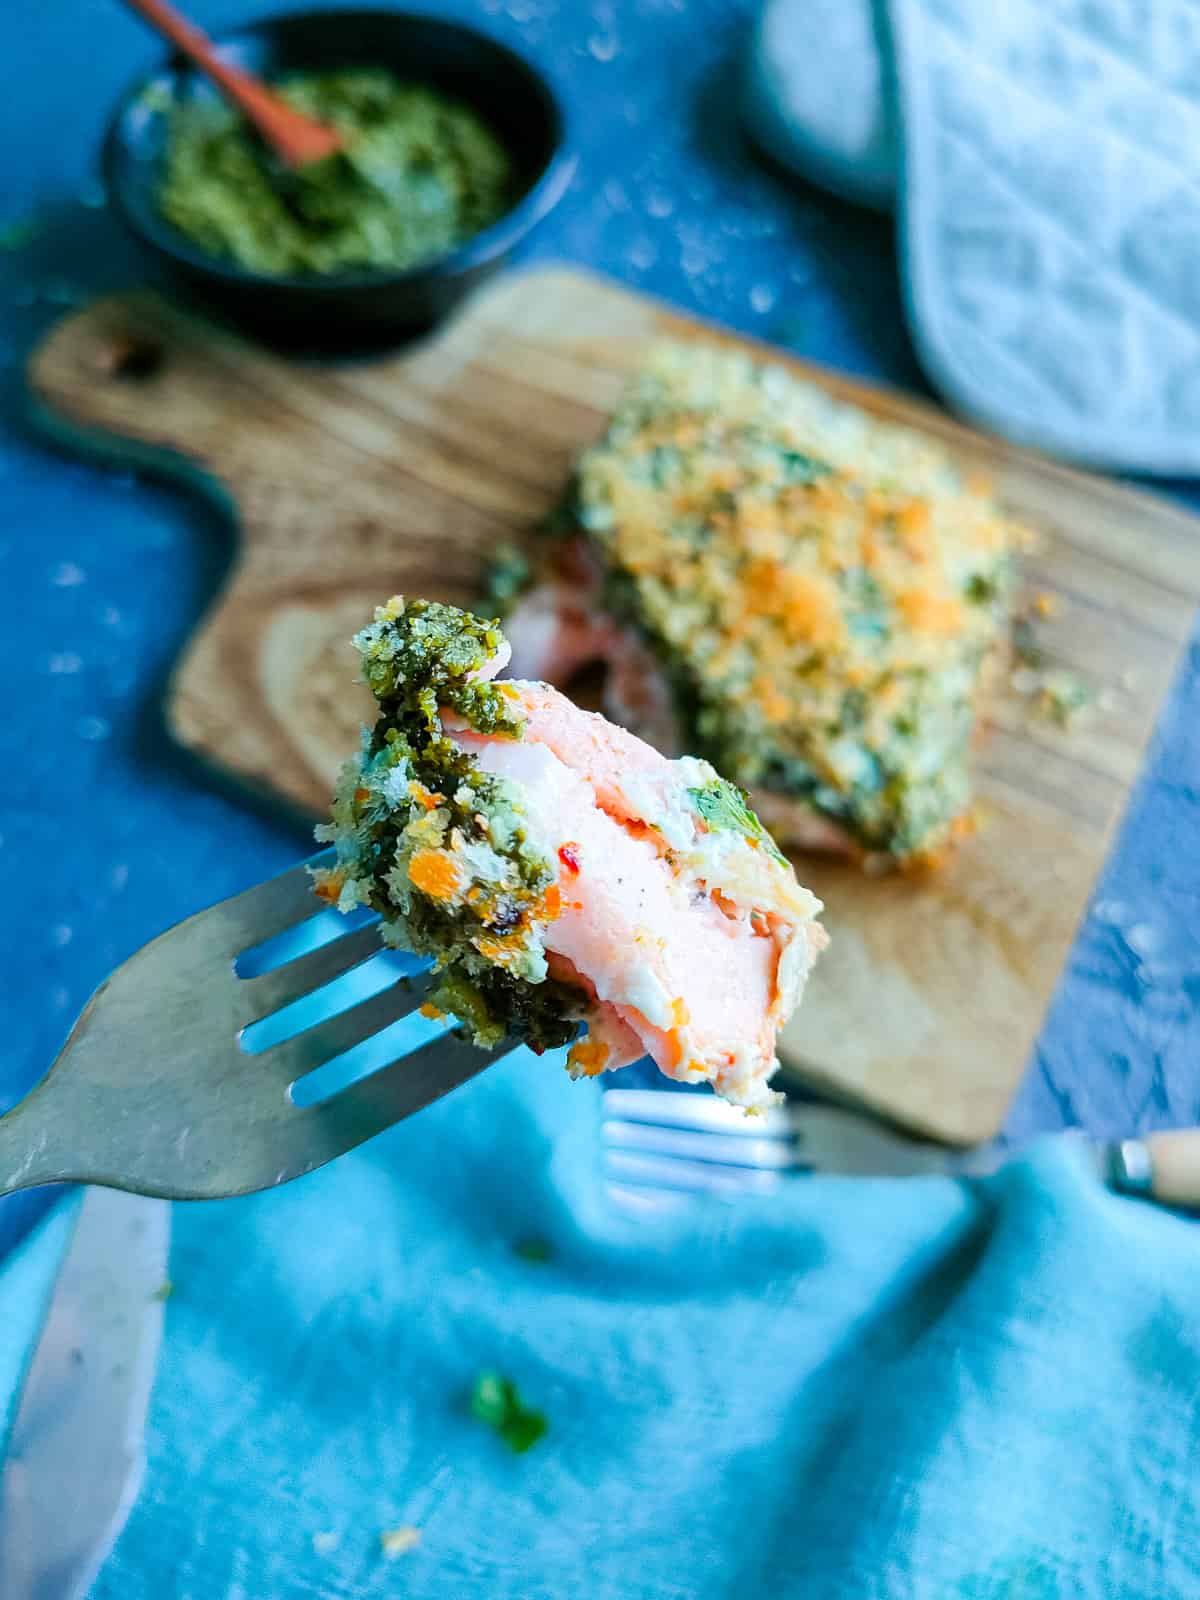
133,358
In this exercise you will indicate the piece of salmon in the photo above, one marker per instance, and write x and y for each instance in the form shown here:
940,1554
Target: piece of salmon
694,942
813,594
558,869
559,629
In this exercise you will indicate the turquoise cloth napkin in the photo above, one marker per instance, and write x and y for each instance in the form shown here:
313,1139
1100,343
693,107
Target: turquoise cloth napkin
915,1389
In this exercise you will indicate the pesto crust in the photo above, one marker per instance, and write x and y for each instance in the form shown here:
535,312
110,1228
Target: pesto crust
445,852
822,591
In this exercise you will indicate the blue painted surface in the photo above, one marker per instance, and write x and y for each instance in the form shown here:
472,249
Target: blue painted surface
107,834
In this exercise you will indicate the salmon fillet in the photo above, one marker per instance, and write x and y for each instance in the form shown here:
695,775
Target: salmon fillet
807,596
559,628
561,871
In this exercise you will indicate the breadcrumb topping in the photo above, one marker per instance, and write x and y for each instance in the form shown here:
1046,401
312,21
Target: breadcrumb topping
822,589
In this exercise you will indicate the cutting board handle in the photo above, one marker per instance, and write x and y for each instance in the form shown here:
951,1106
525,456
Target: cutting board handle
123,371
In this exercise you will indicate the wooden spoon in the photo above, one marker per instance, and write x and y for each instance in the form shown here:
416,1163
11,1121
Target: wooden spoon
296,139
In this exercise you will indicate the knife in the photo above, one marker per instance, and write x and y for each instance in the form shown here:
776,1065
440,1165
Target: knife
76,1454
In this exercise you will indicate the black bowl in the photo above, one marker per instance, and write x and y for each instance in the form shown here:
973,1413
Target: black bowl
347,310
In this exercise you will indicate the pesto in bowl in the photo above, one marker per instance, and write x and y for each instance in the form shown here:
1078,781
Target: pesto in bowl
421,173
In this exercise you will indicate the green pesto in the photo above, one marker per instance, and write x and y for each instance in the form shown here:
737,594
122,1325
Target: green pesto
427,656
411,789
419,175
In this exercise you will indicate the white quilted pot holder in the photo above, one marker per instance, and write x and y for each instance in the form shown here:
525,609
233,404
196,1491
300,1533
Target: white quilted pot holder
1049,208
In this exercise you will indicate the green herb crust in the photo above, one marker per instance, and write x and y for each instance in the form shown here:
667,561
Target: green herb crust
442,850
822,592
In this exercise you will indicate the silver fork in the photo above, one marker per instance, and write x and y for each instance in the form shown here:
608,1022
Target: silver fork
661,1147
201,1069
175,1083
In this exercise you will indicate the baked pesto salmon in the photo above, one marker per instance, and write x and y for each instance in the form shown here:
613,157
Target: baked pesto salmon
803,595
559,870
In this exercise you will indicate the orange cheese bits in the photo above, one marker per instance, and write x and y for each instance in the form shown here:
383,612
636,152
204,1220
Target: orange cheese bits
435,873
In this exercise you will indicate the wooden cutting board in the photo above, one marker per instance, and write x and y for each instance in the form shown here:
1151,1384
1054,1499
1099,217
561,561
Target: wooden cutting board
401,474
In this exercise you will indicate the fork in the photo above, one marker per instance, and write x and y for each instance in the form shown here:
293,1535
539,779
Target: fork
662,1145
190,1073
228,1055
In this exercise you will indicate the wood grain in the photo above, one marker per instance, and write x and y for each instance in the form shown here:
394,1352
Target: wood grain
356,481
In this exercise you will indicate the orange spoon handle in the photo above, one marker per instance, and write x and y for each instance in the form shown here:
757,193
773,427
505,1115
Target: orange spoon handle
295,138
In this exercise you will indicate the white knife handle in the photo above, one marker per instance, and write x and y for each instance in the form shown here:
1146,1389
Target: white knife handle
1165,1166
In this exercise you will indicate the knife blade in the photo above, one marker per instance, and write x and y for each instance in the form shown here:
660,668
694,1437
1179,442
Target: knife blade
76,1453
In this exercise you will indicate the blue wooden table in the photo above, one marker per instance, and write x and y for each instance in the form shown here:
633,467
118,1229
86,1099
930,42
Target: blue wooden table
107,834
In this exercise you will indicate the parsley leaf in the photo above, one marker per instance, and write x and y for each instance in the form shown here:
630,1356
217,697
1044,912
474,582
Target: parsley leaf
724,807
801,468
497,1401
537,1250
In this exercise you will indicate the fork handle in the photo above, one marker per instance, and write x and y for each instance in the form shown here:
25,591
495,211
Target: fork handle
1162,1166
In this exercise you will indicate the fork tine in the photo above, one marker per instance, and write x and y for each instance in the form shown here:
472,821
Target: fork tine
373,1104
295,1057
268,992
635,1201
674,1172
259,914
722,1149
701,1112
